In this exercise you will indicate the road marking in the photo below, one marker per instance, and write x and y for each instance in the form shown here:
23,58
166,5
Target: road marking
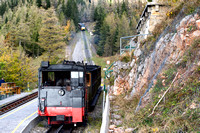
18,109
23,121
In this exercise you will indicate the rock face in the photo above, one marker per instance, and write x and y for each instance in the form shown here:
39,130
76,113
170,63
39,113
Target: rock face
198,24
170,46
111,127
129,130
121,84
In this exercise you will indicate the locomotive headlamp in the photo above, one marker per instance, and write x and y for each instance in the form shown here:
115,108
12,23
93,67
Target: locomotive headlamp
42,107
61,92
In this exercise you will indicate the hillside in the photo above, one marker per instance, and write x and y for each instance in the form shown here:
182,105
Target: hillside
155,85
158,91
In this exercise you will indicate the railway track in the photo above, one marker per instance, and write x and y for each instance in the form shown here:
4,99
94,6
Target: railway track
12,105
60,129
87,52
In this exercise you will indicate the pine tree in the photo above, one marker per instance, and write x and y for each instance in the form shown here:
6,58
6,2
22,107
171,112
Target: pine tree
111,21
124,8
39,3
3,8
6,20
72,11
133,24
51,34
103,35
48,4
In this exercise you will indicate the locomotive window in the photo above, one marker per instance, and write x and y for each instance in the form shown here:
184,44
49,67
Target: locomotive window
55,78
51,76
74,79
74,74
80,78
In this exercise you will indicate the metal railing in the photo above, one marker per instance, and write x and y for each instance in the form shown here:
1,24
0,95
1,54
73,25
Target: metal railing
129,47
106,103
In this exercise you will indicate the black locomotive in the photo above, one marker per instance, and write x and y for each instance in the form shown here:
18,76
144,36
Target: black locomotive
67,91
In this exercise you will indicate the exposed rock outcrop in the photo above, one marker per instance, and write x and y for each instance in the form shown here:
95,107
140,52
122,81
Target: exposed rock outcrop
170,46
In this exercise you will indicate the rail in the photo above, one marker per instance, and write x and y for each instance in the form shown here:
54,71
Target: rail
87,51
60,129
12,105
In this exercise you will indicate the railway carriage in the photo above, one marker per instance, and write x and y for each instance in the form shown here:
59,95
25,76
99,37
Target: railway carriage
81,26
67,91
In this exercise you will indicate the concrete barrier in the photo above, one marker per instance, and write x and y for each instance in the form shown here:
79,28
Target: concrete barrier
31,125
106,116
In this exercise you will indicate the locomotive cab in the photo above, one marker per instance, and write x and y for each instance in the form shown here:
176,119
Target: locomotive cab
62,93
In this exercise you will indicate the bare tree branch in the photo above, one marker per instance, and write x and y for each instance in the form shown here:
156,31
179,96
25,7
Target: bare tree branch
163,95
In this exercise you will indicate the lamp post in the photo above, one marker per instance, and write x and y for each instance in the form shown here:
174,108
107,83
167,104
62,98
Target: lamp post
28,86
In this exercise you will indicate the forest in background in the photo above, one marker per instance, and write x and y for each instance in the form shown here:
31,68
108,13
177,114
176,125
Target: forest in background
36,30
32,31
114,20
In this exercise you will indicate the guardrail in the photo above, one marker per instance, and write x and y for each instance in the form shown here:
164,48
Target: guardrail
106,103
106,116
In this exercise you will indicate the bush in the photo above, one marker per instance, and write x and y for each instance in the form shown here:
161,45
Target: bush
126,57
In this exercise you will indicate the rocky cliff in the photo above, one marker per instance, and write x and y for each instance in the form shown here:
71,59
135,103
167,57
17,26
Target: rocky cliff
176,51
169,49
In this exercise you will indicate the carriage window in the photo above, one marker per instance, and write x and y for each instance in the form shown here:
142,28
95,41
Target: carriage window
88,79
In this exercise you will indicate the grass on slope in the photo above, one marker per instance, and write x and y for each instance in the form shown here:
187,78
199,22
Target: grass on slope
179,111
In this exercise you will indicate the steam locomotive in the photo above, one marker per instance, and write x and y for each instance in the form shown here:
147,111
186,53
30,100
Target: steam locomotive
67,91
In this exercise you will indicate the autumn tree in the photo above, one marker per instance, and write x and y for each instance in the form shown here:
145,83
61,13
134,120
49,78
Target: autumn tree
70,27
14,68
111,21
133,25
51,35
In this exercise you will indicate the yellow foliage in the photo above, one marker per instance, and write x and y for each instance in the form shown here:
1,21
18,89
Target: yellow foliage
15,66
155,129
67,29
